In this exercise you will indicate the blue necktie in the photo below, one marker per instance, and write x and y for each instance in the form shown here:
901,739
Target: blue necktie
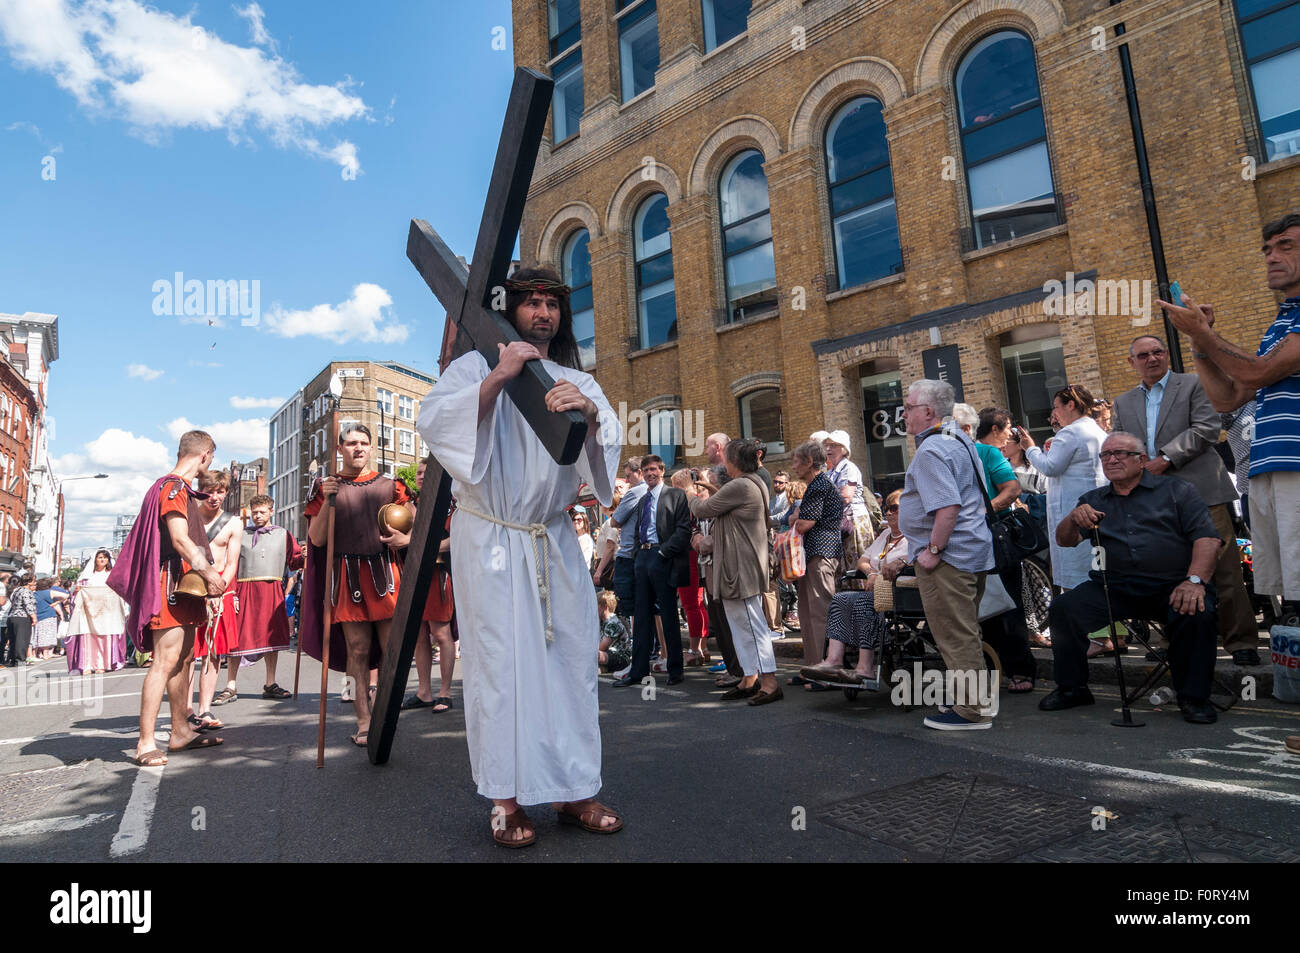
643,521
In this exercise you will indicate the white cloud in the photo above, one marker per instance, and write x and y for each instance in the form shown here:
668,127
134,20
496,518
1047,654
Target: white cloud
162,72
116,449
143,371
132,463
241,440
365,316
256,30
256,403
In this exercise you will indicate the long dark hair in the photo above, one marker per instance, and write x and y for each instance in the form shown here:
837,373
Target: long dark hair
564,346
107,555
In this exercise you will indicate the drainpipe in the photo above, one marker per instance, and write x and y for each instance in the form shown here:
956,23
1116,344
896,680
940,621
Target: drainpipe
1148,195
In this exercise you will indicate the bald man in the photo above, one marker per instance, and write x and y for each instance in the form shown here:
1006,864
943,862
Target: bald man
714,445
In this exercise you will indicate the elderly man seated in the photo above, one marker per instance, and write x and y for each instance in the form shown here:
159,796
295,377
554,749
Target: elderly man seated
1158,548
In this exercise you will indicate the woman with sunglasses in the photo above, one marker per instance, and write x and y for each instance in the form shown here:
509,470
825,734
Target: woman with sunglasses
1072,468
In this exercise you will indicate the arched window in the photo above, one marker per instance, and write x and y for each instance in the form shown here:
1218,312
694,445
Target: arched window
665,436
577,275
760,416
1270,39
864,220
747,237
1004,139
656,296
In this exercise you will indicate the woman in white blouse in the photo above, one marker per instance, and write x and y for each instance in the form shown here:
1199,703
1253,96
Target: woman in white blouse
1072,467
852,618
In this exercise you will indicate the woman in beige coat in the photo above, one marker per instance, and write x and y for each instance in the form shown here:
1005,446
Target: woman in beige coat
739,572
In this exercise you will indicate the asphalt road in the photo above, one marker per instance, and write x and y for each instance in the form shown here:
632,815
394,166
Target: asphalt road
813,777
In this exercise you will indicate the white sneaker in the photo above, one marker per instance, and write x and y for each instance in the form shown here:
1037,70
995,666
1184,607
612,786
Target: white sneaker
621,673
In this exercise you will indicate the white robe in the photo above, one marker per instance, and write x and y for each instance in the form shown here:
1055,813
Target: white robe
530,707
1072,468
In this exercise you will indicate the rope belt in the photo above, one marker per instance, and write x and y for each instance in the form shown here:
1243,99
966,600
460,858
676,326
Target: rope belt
541,557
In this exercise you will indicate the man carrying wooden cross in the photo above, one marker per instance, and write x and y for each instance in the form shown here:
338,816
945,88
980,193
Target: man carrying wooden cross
523,593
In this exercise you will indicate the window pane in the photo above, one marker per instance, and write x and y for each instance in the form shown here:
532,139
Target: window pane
658,314
1277,94
744,187
584,329
855,140
866,244
1016,190
638,47
577,260
655,270
750,272
1247,8
864,190
1033,372
563,24
1271,33
723,20
750,233
650,228
580,299
760,416
566,103
663,435
1001,136
997,75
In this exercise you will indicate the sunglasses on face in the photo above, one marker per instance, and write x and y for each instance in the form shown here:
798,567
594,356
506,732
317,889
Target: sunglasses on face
892,508
1118,454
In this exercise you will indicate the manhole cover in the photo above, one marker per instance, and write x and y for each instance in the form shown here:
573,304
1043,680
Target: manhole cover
31,793
961,817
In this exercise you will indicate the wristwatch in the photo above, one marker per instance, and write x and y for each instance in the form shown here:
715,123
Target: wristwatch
934,550
1195,580
1166,459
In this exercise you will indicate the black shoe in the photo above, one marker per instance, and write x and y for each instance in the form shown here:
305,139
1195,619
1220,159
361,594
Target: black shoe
1157,655
1245,657
1063,698
739,692
676,679
1198,713
625,681
414,701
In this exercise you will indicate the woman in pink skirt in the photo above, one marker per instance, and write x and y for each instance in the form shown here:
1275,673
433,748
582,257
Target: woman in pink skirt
97,631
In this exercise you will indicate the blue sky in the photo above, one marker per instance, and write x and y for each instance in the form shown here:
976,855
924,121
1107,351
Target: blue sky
288,143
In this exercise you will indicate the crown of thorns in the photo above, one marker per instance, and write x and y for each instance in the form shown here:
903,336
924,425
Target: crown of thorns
542,285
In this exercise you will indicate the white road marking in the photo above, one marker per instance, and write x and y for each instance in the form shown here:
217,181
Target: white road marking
1199,784
52,825
70,701
133,833
86,733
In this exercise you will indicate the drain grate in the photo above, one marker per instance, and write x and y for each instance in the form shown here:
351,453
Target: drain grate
963,817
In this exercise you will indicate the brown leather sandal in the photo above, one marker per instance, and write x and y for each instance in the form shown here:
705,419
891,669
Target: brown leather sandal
516,821
588,815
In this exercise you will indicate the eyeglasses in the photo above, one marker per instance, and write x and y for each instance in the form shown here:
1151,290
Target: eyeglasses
1117,454
1143,355
910,407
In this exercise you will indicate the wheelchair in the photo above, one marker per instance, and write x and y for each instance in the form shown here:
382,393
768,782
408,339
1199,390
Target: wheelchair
907,638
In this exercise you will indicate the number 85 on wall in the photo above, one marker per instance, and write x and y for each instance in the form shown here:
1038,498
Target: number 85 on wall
881,429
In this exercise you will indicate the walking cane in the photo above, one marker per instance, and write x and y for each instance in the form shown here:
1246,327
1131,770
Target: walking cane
1126,719
297,664
325,640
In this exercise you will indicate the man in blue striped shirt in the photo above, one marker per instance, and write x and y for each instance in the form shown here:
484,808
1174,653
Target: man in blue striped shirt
1233,377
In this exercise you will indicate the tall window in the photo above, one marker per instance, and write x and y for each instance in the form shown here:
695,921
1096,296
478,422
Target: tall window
638,45
656,295
861,184
564,29
405,407
760,416
723,20
386,399
665,436
882,418
406,442
1270,38
1004,139
577,275
747,237
1033,367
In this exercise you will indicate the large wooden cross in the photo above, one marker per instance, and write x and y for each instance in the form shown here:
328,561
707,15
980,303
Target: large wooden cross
472,324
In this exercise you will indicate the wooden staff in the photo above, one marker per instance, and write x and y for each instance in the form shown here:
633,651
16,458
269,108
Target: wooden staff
329,610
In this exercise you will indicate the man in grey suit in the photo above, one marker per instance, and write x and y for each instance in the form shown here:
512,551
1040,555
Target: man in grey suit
1173,415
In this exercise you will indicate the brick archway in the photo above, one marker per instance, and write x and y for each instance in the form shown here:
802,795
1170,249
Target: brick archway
1042,17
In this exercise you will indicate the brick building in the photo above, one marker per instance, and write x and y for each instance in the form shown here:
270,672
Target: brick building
18,408
780,212
247,480
384,396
